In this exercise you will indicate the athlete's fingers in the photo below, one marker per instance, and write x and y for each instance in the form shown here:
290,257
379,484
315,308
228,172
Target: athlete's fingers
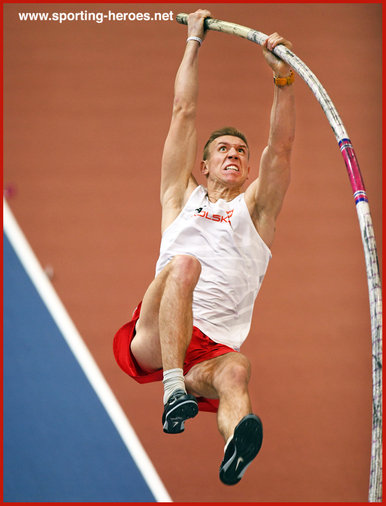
274,40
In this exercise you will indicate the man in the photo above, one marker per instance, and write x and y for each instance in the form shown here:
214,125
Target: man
214,253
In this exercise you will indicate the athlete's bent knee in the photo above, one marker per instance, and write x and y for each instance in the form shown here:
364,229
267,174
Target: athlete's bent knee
237,371
186,269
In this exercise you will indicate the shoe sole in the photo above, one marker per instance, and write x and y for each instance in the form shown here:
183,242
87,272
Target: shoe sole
174,420
248,438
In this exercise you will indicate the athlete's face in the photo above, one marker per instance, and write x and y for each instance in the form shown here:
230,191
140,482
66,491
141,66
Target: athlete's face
228,160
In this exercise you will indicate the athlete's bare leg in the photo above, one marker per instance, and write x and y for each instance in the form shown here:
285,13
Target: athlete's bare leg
163,334
164,329
226,378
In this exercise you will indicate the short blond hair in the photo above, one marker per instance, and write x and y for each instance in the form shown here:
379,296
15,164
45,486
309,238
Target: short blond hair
219,133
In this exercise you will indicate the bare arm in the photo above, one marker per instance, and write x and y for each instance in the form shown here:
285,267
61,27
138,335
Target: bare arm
265,195
180,146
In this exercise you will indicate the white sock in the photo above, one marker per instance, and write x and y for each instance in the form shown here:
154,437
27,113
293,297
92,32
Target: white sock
227,443
173,380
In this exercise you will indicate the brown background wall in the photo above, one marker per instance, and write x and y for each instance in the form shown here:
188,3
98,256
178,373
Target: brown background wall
87,108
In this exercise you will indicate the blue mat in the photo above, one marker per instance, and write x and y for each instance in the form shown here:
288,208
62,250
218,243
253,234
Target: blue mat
60,445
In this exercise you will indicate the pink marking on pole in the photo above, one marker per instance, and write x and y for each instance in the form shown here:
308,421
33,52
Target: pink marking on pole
353,170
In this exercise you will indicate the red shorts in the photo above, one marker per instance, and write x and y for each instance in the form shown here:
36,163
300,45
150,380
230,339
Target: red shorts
201,348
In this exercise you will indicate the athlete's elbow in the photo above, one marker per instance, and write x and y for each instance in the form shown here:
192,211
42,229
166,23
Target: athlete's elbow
282,149
287,144
184,108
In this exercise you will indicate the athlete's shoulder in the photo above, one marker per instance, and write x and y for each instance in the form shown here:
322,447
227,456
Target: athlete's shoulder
194,191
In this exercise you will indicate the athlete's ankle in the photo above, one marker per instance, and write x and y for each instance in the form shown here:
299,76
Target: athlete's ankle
227,442
173,379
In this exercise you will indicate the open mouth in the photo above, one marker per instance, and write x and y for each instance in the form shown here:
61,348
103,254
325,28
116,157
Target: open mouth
232,168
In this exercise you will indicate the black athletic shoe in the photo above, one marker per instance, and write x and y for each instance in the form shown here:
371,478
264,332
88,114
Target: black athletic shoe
242,449
179,408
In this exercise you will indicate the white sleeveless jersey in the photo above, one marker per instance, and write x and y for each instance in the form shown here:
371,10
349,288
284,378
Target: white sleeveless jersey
233,260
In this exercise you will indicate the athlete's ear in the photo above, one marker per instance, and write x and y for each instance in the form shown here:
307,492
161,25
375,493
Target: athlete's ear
204,167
